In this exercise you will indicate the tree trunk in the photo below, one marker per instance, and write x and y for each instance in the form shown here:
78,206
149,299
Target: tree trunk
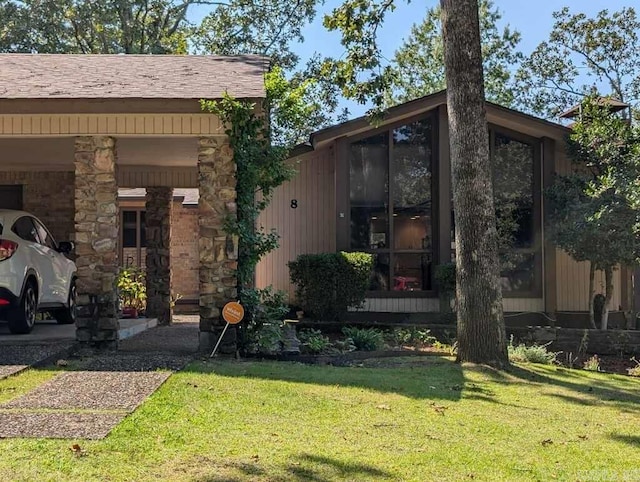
608,296
481,331
592,294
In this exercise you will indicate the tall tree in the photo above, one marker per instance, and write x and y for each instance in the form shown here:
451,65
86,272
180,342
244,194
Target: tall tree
580,54
88,26
481,331
418,65
594,213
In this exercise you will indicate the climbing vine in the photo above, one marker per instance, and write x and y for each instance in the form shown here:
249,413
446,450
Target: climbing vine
260,162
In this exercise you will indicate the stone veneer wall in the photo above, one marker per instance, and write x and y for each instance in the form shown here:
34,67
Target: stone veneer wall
49,196
158,253
218,254
96,223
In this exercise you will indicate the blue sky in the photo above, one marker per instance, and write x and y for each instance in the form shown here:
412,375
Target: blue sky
533,19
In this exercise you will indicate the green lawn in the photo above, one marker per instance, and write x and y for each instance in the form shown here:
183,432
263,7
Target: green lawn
418,419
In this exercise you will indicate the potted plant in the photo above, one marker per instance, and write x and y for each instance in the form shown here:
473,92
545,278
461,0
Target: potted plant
132,289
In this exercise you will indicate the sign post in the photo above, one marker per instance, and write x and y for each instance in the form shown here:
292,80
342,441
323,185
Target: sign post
232,313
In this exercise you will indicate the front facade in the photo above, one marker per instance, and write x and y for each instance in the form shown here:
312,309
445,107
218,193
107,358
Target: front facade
386,190
76,128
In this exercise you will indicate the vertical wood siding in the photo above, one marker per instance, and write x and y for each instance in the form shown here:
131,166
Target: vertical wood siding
572,277
309,228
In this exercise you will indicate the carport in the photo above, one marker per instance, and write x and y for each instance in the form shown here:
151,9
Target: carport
74,128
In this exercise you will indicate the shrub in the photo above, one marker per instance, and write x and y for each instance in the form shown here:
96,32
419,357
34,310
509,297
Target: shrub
262,330
132,287
364,339
531,354
411,336
592,364
328,284
314,341
634,371
445,277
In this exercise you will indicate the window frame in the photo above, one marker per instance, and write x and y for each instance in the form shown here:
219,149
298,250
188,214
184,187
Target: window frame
343,205
138,247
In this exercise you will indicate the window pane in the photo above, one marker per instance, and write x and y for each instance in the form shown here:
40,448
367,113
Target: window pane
380,275
518,271
25,229
129,229
412,272
513,187
369,192
44,235
412,186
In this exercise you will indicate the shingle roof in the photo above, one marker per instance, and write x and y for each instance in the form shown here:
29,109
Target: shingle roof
39,76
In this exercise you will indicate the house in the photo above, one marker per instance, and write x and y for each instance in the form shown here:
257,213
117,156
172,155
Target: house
76,128
386,189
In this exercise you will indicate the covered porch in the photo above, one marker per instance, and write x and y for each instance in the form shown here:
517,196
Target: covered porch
69,147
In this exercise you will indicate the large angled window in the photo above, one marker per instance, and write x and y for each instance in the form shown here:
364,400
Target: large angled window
391,205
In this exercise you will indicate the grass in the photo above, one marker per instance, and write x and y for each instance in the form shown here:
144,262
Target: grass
404,419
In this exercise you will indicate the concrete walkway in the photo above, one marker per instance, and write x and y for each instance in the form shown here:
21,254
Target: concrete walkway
100,390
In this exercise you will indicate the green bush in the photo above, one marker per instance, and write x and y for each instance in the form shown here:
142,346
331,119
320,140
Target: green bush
445,277
592,364
314,341
364,339
531,354
411,336
327,284
265,310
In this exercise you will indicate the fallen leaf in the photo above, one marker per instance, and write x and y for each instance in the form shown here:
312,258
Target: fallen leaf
77,450
547,442
255,457
384,407
583,437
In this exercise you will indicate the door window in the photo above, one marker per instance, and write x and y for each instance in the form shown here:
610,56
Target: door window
45,235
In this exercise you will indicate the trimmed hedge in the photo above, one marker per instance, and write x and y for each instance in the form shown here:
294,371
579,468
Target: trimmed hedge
327,284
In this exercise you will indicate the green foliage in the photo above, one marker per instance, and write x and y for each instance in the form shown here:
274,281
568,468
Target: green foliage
582,52
314,341
634,371
261,167
593,215
418,65
88,26
411,336
132,287
530,354
265,339
262,327
592,364
445,277
328,284
365,339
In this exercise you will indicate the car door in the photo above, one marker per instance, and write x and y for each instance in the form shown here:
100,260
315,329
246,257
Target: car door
38,257
59,281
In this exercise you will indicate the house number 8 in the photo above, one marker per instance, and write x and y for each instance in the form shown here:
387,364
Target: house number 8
294,204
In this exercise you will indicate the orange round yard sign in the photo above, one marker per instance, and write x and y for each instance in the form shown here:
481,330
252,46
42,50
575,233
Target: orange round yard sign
233,312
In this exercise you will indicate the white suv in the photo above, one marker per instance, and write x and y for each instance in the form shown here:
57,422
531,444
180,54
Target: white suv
35,274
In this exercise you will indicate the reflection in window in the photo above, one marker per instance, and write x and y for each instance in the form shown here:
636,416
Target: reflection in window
513,170
369,193
130,229
402,243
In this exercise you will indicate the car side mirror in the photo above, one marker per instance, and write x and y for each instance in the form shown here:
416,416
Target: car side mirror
65,247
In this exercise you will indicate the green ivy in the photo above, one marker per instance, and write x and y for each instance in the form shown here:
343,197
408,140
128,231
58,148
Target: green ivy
327,284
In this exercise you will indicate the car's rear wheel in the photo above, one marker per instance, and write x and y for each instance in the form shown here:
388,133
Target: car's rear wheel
67,316
23,317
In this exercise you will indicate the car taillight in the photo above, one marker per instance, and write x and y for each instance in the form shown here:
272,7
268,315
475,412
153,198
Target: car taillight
7,248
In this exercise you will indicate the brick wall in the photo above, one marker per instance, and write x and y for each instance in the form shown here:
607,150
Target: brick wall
184,251
49,196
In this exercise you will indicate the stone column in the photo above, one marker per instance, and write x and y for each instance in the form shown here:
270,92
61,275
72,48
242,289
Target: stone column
96,234
218,252
158,233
